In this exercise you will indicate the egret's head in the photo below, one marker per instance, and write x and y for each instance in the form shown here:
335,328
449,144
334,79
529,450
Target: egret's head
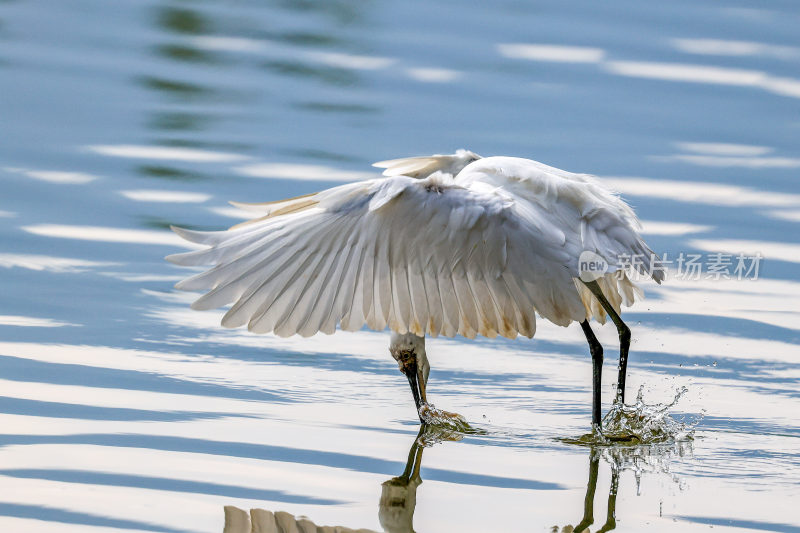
407,349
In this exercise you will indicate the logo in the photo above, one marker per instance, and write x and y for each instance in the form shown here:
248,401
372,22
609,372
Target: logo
591,266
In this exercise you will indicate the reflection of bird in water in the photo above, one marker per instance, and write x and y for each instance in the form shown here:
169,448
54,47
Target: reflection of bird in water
399,494
443,245
651,459
588,502
395,510
261,521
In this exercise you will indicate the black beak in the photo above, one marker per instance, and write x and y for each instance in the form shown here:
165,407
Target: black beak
412,374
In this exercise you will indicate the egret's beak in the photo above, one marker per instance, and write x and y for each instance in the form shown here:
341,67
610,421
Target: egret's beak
421,381
417,382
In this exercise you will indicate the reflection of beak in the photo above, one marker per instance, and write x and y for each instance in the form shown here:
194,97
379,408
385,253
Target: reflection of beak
399,494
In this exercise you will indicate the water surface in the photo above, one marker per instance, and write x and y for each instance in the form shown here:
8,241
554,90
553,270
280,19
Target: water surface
122,410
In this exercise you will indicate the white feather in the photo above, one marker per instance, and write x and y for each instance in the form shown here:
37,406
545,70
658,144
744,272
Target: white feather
460,245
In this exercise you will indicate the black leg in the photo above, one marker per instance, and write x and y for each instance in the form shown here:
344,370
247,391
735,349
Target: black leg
596,349
624,336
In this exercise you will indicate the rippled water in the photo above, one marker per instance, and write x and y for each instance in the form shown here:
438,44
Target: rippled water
122,410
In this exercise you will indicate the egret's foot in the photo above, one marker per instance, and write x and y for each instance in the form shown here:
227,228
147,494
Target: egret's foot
429,414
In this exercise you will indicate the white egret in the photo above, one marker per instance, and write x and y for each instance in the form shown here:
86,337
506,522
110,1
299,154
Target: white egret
441,245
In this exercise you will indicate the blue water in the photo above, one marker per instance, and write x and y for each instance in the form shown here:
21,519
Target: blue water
122,410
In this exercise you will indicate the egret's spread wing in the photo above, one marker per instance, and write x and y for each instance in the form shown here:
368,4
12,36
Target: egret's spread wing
426,256
590,216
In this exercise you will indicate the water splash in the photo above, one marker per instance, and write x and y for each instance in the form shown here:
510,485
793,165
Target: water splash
447,421
641,438
640,423
653,459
